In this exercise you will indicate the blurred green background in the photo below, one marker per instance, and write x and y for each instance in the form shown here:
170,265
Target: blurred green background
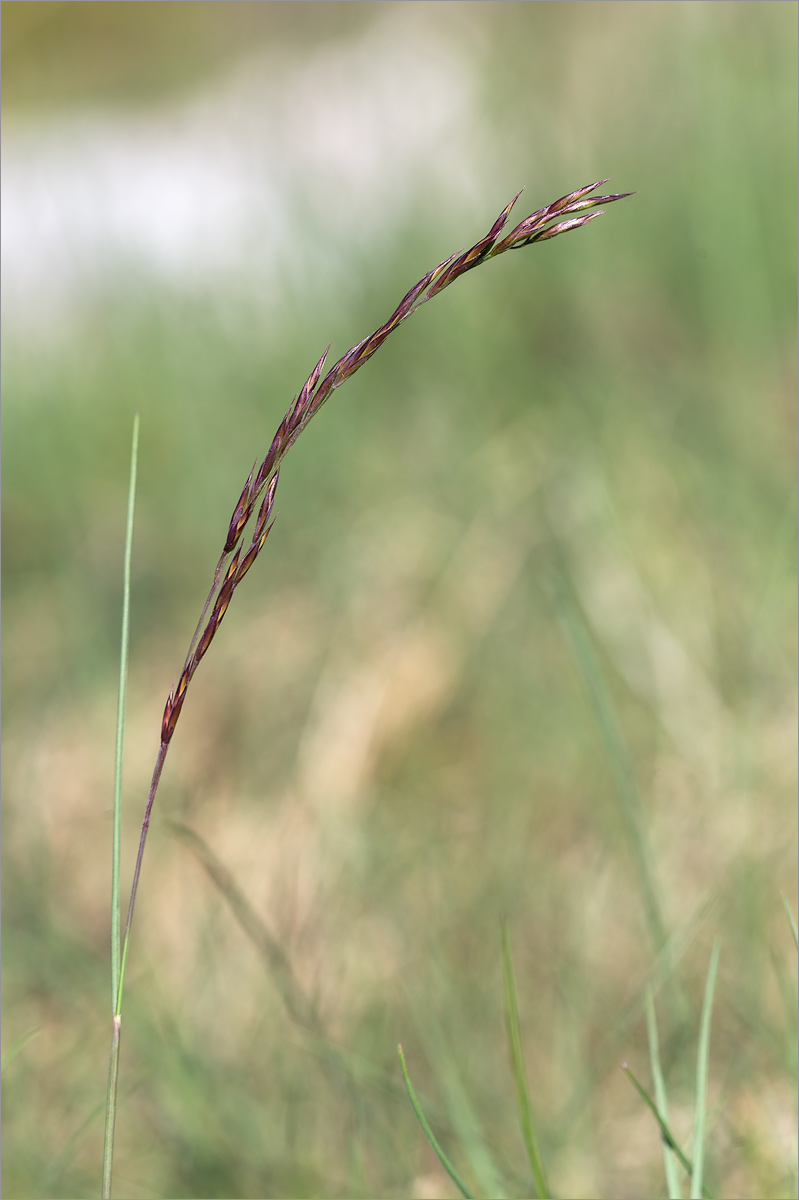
530,596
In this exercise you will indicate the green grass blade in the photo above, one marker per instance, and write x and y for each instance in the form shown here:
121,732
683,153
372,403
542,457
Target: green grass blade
665,1131
672,1181
116,977
299,1007
466,1124
519,1074
701,1074
120,730
51,1181
417,1108
461,1115
16,1048
630,802
791,919
611,1047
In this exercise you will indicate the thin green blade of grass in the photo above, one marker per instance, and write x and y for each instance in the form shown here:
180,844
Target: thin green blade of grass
701,1073
519,1073
120,727
630,801
460,1110
672,1180
431,1137
116,975
16,1048
467,1127
52,1180
791,919
298,1005
351,1072
616,1038
665,1131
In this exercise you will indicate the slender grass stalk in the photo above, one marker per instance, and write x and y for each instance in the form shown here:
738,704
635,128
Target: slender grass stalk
672,1181
695,1169
665,1132
540,226
428,1133
298,1005
261,484
16,1048
463,1118
791,919
519,1073
485,1172
116,974
630,802
701,1074
660,975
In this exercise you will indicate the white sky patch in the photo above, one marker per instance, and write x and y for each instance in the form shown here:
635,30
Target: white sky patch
277,168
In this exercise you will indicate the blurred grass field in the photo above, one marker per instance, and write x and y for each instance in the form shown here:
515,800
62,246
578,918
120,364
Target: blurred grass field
559,503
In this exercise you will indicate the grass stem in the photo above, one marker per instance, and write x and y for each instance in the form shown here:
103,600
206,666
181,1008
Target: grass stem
519,1073
431,1137
701,1074
116,957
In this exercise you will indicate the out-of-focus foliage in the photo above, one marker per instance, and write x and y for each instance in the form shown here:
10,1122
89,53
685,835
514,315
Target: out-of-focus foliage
535,562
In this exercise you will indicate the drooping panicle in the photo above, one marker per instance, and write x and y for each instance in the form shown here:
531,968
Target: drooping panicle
542,225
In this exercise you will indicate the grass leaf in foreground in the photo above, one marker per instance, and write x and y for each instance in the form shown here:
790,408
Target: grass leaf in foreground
659,1109
672,1182
116,970
519,1074
701,1074
791,919
665,1132
431,1137
630,802
16,1048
